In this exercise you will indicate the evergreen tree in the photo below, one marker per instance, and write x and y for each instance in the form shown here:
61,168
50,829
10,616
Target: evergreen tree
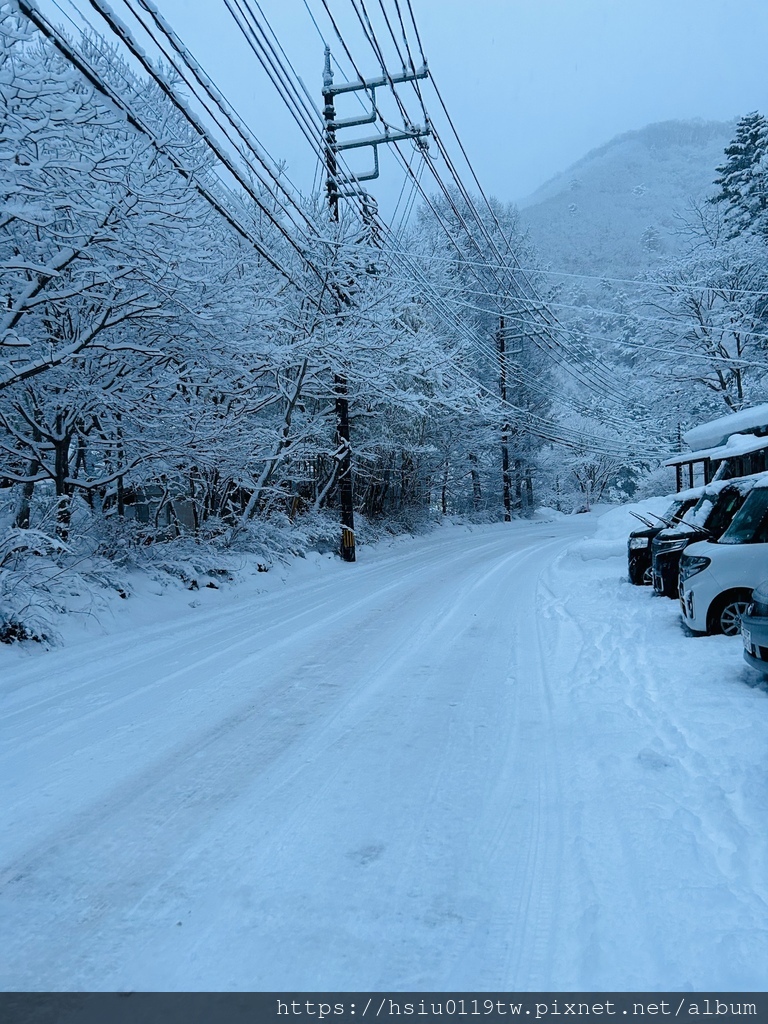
743,178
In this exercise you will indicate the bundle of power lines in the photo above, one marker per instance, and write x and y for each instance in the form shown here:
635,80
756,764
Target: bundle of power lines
245,160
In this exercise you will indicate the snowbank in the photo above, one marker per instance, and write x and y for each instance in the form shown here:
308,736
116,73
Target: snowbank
613,528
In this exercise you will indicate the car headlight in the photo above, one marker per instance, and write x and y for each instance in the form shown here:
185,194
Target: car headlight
692,564
638,542
672,545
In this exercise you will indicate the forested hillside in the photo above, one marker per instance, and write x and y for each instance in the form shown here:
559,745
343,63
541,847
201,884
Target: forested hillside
654,246
619,208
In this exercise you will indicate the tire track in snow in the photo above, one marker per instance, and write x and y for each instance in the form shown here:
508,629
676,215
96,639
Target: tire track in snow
186,803
277,639
605,835
173,634
706,816
178,704
352,715
447,973
653,852
524,824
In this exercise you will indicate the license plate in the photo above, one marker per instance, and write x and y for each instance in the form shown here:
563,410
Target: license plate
746,636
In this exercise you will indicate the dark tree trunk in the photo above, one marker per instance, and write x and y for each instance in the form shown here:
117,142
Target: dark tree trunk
477,496
23,513
528,490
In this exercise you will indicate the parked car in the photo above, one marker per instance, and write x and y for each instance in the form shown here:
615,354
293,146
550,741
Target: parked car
639,542
717,576
754,629
708,519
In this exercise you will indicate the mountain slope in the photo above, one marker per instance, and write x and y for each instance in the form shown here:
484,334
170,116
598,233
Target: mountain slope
615,210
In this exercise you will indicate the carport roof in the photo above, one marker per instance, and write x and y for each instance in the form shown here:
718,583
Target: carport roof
737,444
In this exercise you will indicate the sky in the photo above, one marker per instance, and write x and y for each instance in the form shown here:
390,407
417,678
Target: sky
531,85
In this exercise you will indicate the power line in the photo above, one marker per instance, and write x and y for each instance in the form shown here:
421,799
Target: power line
451,321
639,282
416,30
602,382
365,22
547,434
212,96
255,33
731,326
550,430
123,33
70,54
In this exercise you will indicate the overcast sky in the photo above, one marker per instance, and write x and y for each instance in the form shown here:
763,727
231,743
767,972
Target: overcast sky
531,84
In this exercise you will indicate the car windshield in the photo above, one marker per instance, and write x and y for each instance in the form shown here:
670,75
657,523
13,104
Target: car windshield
677,510
750,526
713,512
727,504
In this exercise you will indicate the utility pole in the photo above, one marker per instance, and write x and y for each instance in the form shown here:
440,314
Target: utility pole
504,351
506,483
336,187
343,446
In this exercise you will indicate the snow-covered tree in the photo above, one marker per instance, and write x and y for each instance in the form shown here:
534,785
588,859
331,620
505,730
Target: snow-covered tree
743,177
711,329
474,257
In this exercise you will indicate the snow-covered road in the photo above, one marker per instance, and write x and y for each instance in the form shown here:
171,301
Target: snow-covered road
475,760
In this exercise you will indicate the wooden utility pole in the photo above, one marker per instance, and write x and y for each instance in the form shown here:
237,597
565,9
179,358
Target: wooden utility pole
343,445
506,483
332,184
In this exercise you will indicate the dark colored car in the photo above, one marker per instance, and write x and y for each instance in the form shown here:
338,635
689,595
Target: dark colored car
754,629
639,543
708,519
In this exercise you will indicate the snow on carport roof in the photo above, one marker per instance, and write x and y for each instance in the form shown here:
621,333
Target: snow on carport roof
716,432
737,444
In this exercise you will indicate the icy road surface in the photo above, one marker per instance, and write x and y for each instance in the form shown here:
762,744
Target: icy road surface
475,760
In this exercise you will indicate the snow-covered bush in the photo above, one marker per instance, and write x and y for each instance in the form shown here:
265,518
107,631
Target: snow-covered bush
29,584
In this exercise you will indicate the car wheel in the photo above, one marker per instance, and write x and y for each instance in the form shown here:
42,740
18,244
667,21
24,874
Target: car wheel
648,577
726,615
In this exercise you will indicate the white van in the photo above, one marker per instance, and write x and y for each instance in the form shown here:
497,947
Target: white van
717,577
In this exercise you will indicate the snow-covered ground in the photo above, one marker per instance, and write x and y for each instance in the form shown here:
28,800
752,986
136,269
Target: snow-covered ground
474,760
